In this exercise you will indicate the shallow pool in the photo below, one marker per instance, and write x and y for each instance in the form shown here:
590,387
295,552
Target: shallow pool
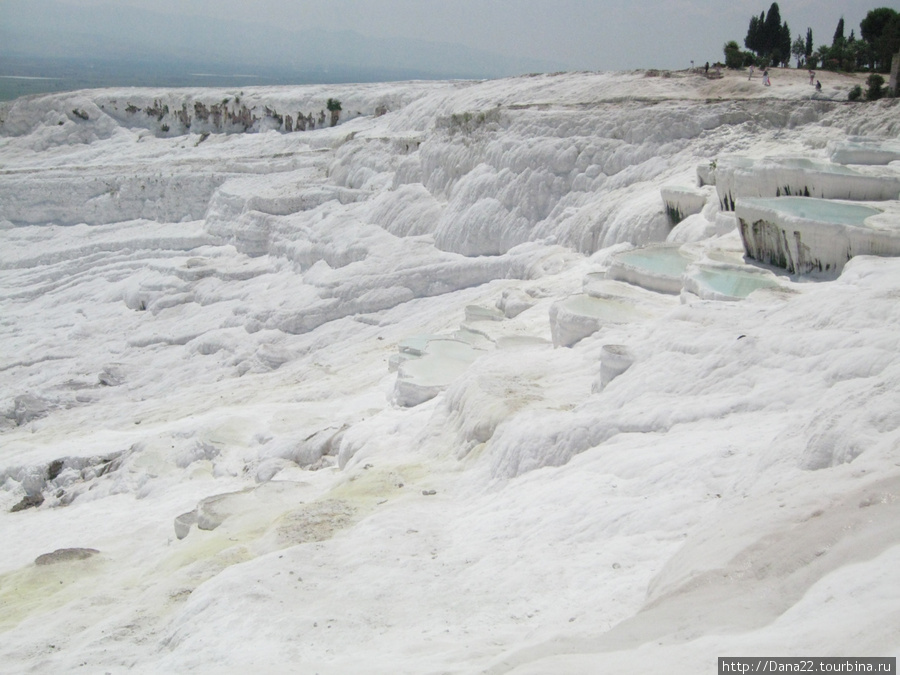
820,210
664,260
733,283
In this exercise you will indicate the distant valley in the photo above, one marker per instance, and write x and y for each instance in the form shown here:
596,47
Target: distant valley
84,48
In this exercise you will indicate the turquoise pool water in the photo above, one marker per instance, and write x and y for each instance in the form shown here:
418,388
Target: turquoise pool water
733,283
821,210
665,260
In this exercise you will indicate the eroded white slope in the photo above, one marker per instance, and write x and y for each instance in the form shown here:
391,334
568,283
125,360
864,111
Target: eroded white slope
223,349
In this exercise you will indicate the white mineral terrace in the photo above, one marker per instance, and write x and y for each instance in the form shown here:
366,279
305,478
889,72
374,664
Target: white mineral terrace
726,282
806,235
682,201
656,268
741,177
368,399
866,151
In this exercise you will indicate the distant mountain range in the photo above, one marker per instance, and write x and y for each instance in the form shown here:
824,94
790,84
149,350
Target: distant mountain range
45,32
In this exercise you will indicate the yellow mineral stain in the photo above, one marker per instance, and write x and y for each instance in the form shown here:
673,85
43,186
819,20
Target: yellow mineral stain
39,589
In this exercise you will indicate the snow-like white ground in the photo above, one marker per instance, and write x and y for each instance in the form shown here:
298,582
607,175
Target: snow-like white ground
210,325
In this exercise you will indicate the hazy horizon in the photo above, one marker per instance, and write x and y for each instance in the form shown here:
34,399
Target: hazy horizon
161,42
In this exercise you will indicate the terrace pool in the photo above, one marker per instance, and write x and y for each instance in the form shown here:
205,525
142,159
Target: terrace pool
820,210
656,268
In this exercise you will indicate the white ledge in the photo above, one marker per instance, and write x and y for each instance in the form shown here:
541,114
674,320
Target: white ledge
816,236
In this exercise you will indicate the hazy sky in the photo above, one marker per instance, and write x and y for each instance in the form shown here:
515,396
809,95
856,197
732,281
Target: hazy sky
580,34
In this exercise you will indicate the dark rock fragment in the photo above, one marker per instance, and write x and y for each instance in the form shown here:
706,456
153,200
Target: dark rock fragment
28,502
65,555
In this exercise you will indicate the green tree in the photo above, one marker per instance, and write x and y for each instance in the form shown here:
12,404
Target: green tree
334,106
753,41
838,32
784,45
772,30
734,58
798,49
854,54
824,58
838,47
880,30
768,38
875,90
809,43
875,22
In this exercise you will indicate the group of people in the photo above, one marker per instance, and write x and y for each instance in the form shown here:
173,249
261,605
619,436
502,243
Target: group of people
812,76
767,82
716,66
765,77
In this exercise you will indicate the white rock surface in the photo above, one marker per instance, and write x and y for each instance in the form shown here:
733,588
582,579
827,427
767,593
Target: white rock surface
740,177
186,316
816,236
